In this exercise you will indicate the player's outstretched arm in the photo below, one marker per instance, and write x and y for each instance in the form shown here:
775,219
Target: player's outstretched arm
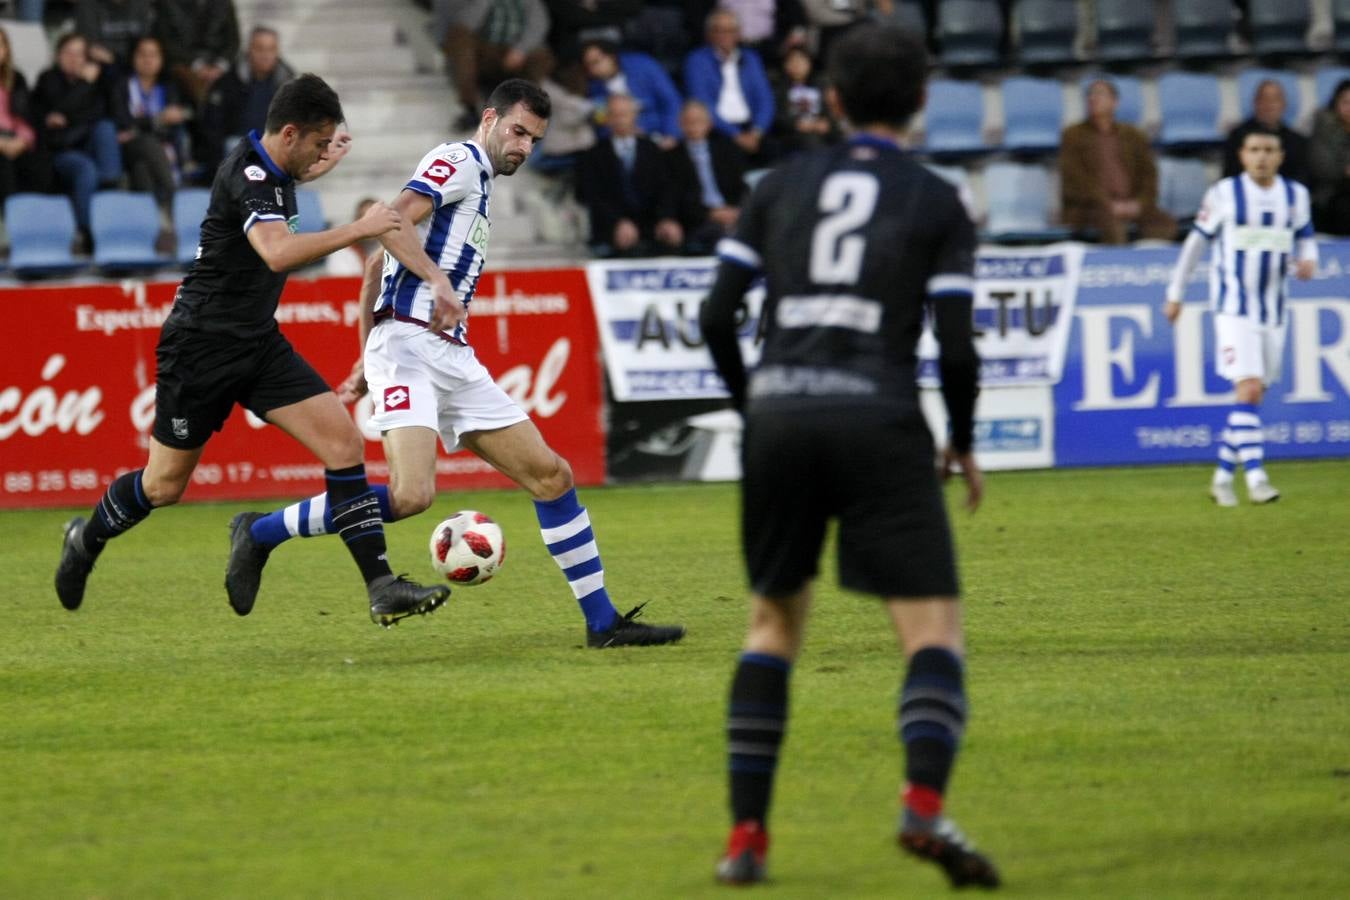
283,251
404,245
1191,250
340,146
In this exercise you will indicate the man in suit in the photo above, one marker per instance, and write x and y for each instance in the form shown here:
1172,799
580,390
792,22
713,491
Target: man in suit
625,186
1108,177
708,172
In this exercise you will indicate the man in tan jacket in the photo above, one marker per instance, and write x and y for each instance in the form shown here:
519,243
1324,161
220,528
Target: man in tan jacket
1108,179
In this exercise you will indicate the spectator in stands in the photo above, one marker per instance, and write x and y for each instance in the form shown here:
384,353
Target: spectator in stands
150,117
803,122
1330,155
351,260
624,183
22,164
731,83
574,22
642,78
829,19
571,130
72,105
708,176
486,41
112,27
1108,176
237,103
200,40
769,27
1268,105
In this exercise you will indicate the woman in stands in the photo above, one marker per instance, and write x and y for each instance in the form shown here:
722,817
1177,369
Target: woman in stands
150,121
1330,150
21,162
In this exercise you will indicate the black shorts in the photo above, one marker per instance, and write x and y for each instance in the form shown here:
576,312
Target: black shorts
200,377
877,476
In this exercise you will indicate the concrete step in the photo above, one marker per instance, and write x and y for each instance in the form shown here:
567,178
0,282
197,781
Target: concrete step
354,62
420,111
339,34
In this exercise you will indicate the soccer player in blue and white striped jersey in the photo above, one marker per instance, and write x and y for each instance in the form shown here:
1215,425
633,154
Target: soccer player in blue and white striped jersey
427,383
1261,224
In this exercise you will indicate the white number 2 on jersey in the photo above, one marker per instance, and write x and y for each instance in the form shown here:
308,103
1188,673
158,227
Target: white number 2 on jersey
849,198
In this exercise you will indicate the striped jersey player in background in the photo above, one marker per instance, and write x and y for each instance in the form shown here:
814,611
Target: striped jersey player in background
1262,226
857,244
426,381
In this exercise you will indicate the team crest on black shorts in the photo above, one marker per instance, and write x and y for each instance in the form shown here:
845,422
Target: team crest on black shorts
397,397
180,428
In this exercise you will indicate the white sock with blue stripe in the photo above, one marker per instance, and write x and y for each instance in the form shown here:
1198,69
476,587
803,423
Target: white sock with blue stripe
308,518
1247,442
567,533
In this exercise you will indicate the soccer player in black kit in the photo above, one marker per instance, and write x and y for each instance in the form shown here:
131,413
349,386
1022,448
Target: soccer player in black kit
856,243
221,345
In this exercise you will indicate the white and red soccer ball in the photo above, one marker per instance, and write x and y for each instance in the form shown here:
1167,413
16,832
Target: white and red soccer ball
467,548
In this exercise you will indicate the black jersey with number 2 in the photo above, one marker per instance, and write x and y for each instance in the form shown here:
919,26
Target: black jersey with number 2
854,242
230,290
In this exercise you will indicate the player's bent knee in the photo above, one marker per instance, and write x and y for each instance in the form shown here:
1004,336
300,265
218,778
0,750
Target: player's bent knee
163,492
555,482
410,500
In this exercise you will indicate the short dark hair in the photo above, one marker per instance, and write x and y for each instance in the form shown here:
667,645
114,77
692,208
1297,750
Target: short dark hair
879,73
1341,87
68,37
307,102
1262,131
604,45
518,90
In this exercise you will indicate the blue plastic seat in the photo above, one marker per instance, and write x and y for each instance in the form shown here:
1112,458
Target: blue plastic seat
1327,78
1129,96
189,209
1249,79
1018,197
1181,186
968,32
954,118
1203,27
1279,26
124,225
1033,114
1189,105
310,209
1124,31
41,228
1046,31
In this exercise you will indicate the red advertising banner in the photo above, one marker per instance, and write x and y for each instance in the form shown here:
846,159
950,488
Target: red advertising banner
77,394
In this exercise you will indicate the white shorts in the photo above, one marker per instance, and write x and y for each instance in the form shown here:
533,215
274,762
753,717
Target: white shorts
418,378
1247,349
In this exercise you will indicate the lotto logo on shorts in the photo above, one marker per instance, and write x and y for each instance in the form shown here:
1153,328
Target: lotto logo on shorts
397,397
439,172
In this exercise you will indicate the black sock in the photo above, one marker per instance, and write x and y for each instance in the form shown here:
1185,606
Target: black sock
932,718
356,516
756,720
123,505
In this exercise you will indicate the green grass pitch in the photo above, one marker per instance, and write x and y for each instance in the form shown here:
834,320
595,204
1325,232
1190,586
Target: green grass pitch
1160,696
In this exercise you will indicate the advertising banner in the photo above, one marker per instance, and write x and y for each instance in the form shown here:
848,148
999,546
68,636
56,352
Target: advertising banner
1137,390
77,391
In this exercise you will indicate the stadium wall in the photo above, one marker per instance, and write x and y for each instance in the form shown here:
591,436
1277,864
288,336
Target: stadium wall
1080,369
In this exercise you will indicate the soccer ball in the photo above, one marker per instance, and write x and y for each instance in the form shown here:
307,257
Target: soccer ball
467,548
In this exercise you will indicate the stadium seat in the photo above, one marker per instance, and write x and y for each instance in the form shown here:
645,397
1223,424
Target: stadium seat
41,228
954,118
1124,31
912,17
1018,196
1189,104
1181,186
189,208
1279,26
1203,27
1130,91
124,225
310,209
968,32
1327,79
1340,19
1033,114
1046,31
1247,81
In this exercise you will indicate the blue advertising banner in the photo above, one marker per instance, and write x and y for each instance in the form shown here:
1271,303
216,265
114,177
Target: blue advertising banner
1136,390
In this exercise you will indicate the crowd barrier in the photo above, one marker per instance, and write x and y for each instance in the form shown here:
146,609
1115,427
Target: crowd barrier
1079,368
